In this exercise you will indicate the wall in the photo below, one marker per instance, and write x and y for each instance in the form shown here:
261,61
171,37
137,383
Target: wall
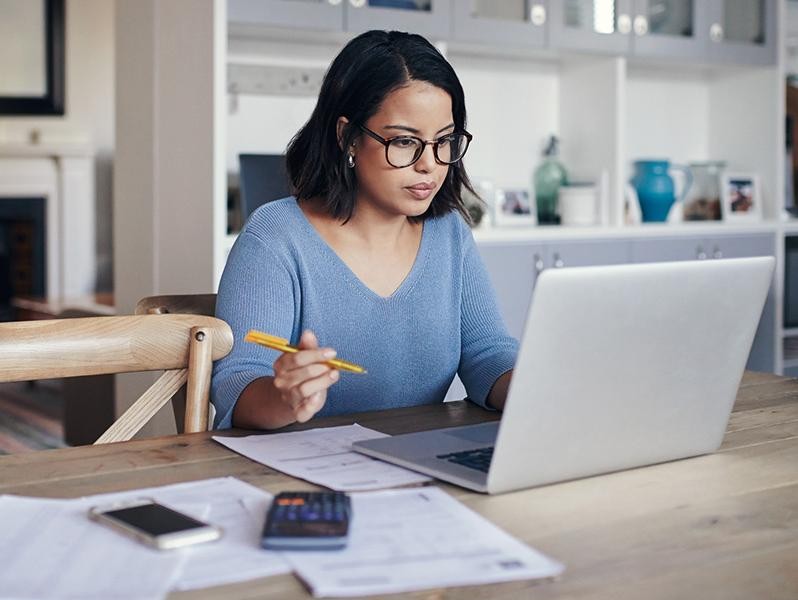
791,38
668,112
89,109
168,187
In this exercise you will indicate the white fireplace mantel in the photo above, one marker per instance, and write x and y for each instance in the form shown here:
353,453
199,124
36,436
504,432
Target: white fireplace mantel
62,174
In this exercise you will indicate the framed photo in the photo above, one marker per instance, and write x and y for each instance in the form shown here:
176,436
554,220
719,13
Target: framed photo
741,197
514,206
480,207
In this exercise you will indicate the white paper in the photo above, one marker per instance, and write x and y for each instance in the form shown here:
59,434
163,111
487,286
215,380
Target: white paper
324,456
239,509
415,539
50,549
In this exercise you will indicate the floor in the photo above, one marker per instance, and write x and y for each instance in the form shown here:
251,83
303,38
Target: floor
31,417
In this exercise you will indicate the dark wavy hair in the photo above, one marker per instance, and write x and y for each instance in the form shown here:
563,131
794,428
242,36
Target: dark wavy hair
369,67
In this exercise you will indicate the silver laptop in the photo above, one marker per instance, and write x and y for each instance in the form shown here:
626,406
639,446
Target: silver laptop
619,367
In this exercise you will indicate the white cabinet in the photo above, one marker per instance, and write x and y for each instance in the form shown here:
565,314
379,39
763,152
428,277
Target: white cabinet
591,26
317,15
722,31
742,31
506,23
513,268
427,17
736,31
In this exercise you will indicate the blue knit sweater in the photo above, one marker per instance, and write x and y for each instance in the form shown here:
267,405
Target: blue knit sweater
282,278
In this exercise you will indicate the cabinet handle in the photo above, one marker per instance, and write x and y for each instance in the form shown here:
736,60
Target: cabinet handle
538,265
641,25
700,254
624,24
716,253
716,32
557,261
357,3
537,14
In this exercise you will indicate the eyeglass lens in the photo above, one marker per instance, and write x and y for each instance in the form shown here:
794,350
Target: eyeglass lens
405,151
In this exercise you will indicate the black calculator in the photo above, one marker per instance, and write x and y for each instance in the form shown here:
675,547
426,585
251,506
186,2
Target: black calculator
307,521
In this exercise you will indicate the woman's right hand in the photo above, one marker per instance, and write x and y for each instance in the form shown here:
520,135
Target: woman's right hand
301,379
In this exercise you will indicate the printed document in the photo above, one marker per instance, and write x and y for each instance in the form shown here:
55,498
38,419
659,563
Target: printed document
324,456
50,548
239,509
415,539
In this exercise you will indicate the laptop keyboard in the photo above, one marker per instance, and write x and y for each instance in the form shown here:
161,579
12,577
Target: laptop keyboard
478,458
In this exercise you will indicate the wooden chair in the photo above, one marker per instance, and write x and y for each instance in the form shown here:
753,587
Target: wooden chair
188,304
184,346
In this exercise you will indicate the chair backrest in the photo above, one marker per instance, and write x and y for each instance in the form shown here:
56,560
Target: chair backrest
184,346
262,178
184,304
190,304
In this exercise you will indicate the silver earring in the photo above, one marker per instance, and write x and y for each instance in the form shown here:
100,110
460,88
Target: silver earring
350,160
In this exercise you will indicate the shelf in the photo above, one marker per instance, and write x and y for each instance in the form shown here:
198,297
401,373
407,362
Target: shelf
510,233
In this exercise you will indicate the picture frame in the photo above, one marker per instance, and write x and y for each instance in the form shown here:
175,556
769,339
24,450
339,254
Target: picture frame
514,206
38,30
480,206
741,196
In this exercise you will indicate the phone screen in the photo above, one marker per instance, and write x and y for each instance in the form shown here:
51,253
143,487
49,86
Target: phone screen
155,519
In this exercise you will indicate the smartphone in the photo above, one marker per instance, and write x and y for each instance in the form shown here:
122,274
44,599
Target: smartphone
154,524
307,521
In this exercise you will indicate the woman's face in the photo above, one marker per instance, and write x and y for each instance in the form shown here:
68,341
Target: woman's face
419,109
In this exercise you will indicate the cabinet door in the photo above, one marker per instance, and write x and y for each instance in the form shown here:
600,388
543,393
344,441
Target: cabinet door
591,25
588,253
669,249
741,246
510,22
763,351
426,17
743,31
319,15
513,268
670,28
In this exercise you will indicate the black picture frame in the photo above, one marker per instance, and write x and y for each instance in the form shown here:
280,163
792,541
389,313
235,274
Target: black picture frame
51,103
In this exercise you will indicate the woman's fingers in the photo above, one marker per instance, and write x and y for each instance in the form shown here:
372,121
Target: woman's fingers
289,362
286,380
308,340
303,377
309,407
304,390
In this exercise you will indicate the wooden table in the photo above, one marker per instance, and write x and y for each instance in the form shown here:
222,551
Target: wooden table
717,526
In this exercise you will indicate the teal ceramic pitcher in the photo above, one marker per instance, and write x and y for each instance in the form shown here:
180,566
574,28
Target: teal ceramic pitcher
654,186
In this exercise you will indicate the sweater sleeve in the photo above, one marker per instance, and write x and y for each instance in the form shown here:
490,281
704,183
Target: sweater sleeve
257,291
487,350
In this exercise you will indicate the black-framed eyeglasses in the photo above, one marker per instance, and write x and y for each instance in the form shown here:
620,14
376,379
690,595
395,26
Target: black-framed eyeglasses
403,150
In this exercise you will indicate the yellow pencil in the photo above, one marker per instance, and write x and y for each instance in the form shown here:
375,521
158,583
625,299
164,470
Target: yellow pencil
281,344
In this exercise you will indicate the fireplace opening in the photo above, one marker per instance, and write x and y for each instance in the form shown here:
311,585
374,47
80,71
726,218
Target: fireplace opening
22,251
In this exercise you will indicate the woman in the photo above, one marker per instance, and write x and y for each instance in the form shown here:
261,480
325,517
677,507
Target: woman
372,257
